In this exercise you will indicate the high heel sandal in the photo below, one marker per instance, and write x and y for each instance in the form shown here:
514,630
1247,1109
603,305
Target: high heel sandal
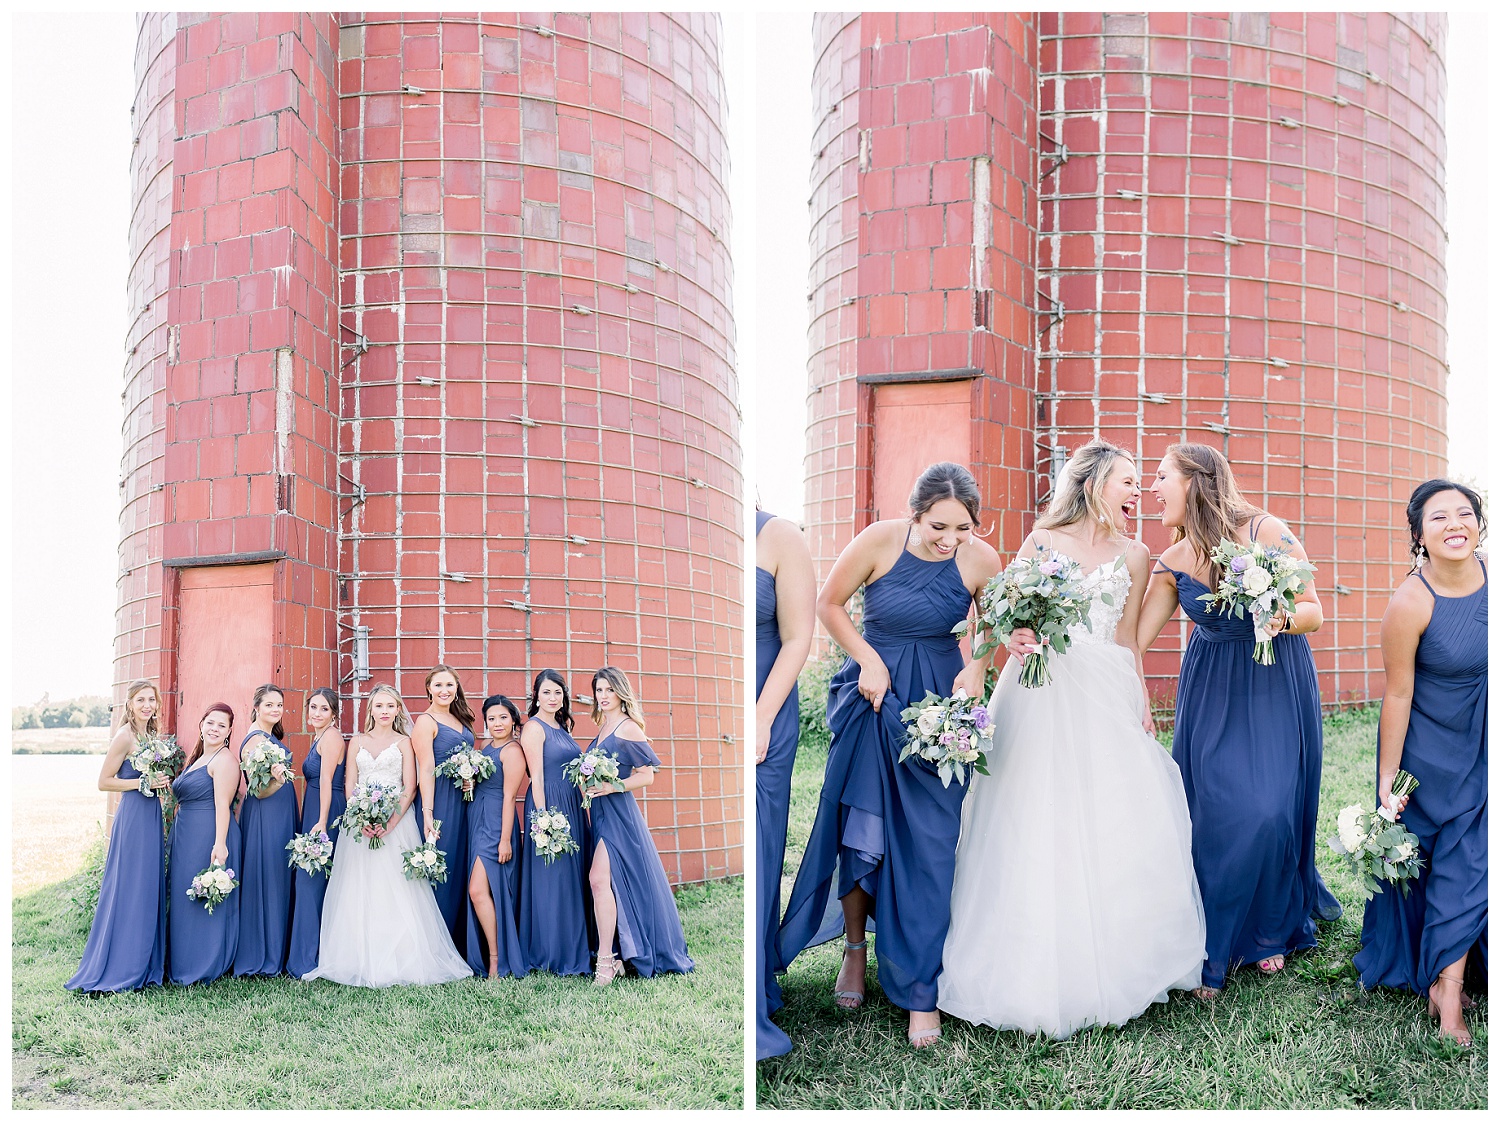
607,969
855,999
921,1038
1434,1012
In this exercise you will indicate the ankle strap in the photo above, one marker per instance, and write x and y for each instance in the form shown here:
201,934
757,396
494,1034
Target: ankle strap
859,946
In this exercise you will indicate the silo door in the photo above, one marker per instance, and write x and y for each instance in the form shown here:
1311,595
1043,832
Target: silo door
225,635
917,424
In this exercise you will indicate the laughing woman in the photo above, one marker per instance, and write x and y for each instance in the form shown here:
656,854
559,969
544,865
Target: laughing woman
127,942
322,803
267,822
445,727
495,842
632,899
1433,724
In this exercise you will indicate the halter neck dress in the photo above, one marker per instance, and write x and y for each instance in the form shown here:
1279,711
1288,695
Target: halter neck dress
265,890
555,917
484,815
308,890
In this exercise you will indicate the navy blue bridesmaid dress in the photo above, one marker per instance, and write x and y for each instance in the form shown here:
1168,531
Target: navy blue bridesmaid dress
1407,940
504,880
127,943
648,930
888,827
449,808
308,890
554,898
200,946
265,891
1249,743
773,794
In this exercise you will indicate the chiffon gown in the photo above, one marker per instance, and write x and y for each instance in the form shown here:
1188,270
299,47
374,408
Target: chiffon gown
889,827
307,889
1249,742
265,890
554,898
1407,940
127,944
773,794
484,843
380,929
200,946
449,808
1074,901
648,930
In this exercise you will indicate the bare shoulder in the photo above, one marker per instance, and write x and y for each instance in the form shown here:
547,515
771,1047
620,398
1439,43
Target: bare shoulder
1410,606
533,733
629,730
123,740
1272,531
1137,557
782,533
886,534
1178,555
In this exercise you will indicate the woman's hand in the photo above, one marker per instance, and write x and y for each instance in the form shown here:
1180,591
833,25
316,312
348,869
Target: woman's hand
1148,722
280,772
219,854
320,826
1022,642
762,738
970,680
161,782
1395,806
874,683
1277,623
468,788
503,851
431,833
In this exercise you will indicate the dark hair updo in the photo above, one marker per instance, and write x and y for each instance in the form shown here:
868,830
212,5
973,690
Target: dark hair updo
510,707
944,481
1418,503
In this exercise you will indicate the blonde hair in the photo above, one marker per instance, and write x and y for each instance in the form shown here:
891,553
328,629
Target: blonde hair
1215,506
399,725
131,690
621,685
1079,488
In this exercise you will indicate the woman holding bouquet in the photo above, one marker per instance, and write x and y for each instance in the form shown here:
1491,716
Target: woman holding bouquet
127,941
1248,737
554,916
322,803
632,899
268,819
447,726
379,928
1109,919
495,843
1433,724
884,838
786,592
201,944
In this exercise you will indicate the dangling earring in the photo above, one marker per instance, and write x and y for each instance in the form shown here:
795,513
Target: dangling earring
1421,555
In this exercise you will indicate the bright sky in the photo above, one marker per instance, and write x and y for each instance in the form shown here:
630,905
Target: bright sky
69,264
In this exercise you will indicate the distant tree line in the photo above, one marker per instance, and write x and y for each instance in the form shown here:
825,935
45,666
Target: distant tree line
74,713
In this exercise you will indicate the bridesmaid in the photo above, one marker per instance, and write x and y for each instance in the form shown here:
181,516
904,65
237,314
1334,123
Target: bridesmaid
495,842
267,822
1433,724
886,831
200,946
785,608
1248,738
446,726
632,899
127,943
322,803
554,918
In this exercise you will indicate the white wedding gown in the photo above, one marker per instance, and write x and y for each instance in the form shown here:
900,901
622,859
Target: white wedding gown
380,929
1074,898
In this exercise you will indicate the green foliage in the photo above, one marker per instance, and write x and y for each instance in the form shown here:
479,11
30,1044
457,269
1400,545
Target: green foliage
77,713
812,698
85,895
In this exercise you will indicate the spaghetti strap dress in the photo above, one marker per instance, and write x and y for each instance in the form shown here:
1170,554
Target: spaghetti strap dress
648,930
449,808
127,944
265,891
484,815
308,890
1407,940
200,945
773,795
1248,740
554,897
887,826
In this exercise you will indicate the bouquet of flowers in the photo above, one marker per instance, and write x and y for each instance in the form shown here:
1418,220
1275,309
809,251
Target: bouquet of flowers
264,755
213,885
1261,580
1378,847
372,805
591,771
1045,593
464,766
952,732
312,852
552,834
156,755
425,862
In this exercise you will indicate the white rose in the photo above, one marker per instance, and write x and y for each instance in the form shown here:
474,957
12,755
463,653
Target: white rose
1349,830
928,719
1256,580
466,771
1405,850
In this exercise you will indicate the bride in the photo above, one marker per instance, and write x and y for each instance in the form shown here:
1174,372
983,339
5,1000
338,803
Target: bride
380,929
1074,901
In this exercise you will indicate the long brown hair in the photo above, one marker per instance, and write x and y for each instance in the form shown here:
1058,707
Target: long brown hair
278,730
460,706
216,707
131,690
621,685
1215,506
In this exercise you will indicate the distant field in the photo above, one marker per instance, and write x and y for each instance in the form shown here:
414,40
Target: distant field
56,814
55,742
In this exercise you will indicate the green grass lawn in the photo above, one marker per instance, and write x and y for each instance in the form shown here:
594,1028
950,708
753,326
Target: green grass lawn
542,1041
1307,1038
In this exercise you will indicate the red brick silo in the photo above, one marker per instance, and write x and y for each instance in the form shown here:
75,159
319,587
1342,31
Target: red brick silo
498,427
1237,238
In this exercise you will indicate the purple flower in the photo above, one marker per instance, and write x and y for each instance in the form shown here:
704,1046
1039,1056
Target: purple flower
1051,567
981,718
946,739
587,767
1240,564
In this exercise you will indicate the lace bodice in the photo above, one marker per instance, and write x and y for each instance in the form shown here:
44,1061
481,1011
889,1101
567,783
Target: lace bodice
1112,577
384,768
